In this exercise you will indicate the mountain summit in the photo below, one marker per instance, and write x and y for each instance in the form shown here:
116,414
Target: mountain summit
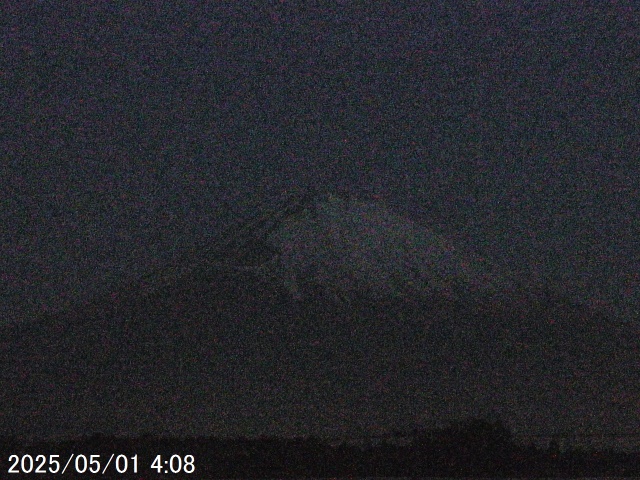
319,315
348,247
352,245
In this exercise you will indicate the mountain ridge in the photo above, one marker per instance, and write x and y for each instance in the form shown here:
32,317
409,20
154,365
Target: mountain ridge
227,351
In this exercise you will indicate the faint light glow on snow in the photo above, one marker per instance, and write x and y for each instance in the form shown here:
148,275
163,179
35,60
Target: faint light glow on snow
352,245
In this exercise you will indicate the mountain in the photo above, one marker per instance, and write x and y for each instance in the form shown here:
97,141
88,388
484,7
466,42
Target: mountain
306,319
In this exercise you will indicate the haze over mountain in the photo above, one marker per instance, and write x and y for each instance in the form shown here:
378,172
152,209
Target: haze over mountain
320,315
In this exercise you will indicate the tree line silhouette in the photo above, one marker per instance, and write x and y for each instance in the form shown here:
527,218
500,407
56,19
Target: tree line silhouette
471,447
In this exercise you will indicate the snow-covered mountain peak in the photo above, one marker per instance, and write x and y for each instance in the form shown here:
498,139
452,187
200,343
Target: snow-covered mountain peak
350,245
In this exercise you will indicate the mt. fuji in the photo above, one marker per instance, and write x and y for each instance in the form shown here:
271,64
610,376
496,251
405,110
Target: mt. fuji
320,315
354,247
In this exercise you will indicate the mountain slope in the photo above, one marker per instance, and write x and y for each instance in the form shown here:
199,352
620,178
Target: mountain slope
222,349
357,246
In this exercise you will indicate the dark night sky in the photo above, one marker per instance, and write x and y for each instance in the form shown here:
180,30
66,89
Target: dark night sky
130,132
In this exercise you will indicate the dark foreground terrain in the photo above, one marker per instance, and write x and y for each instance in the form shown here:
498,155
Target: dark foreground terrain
474,447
